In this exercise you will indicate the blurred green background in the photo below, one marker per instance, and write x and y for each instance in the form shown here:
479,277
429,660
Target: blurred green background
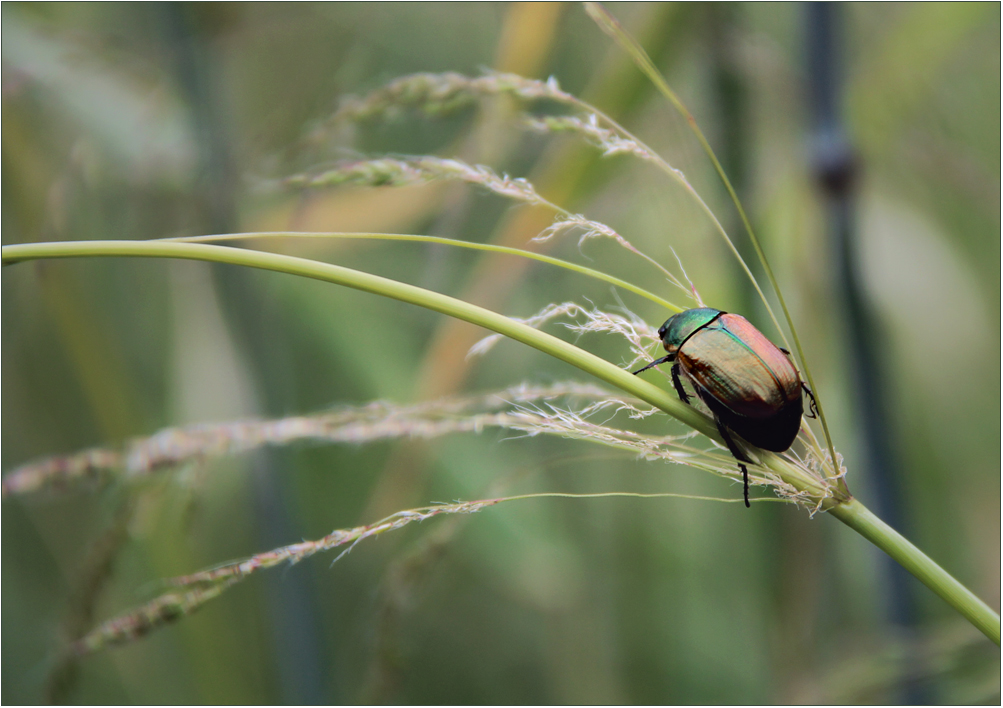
129,121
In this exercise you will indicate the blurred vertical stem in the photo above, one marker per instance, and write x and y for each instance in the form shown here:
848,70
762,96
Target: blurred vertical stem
191,31
846,509
836,168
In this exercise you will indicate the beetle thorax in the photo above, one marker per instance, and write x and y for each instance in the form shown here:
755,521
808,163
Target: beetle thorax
680,327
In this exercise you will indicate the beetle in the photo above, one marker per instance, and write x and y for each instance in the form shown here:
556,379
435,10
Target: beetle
750,385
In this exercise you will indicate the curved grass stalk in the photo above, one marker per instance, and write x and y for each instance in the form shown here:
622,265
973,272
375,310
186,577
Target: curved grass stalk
844,507
612,27
381,286
867,524
503,250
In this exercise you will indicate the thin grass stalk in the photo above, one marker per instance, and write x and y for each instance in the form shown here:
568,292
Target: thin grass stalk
854,515
504,250
615,30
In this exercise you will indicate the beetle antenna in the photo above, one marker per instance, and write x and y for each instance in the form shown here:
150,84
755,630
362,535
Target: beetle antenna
745,480
656,362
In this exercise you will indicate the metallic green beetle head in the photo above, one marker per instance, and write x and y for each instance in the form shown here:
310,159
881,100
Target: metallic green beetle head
678,328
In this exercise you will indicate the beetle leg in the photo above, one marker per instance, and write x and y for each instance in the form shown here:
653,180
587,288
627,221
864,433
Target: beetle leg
812,409
683,396
738,455
656,362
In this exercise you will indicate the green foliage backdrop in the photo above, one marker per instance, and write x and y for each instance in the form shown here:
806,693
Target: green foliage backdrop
128,121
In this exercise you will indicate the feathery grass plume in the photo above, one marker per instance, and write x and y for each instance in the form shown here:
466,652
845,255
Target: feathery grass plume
134,625
575,424
401,171
56,473
196,589
379,420
638,333
440,91
438,94
435,95
530,418
548,313
201,587
296,552
606,139
389,171
596,229
528,409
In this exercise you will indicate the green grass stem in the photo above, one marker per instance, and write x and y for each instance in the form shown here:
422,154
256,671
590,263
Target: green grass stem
845,508
503,250
862,520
